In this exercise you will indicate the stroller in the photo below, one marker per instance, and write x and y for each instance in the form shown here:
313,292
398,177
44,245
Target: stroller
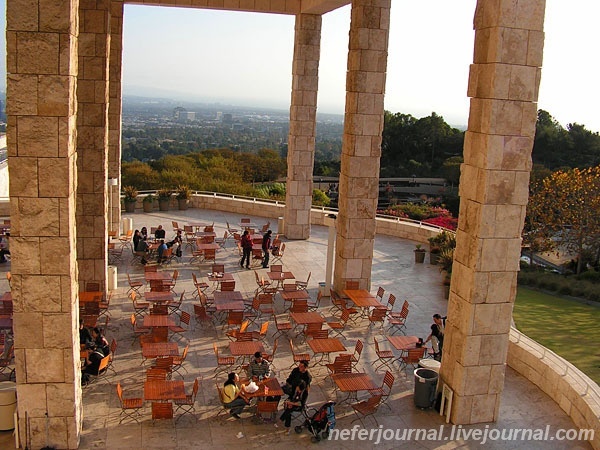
320,423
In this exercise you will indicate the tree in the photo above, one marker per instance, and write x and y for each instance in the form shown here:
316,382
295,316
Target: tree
566,208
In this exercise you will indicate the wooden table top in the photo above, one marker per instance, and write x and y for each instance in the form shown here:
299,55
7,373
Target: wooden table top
202,234
158,320
328,345
94,296
158,297
307,317
289,296
353,382
157,349
363,298
197,224
158,276
227,296
248,225
216,278
213,246
272,384
403,342
234,305
245,348
280,276
164,390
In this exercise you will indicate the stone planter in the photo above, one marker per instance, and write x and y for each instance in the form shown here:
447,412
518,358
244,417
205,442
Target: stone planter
163,204
129,206
419,256
147,207
183,203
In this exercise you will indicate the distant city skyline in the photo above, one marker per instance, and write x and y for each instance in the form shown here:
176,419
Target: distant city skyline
245,58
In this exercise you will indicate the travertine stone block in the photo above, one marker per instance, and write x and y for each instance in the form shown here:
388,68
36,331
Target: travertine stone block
37,136
55,177
38,53
30,333
23,89
26,183
52,256
62,399
38,216
32,398
38,369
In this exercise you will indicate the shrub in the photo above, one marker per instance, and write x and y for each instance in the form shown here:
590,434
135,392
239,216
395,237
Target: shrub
319,198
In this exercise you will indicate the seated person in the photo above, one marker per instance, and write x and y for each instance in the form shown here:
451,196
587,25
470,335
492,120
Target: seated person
4,247
159,233
137,237
100,342
299,374
258,368
85,337
142,248
234,398
144,233
176,244
161,250
296,402
92,364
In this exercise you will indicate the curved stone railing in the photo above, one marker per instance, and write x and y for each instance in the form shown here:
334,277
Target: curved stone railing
576,394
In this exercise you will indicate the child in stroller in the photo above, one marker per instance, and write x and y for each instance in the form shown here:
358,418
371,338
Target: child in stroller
320,423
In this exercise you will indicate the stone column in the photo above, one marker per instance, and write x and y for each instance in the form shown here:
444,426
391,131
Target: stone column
361,145
503,86
92,141
41,109
303,112
115,108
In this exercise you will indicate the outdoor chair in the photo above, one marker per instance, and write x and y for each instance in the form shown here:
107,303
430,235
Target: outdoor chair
385,389
162,411
187,405
130,407
366,408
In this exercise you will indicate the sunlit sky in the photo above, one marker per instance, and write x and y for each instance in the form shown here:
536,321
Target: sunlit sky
246,58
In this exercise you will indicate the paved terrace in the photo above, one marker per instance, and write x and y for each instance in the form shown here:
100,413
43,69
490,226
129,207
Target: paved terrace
523,404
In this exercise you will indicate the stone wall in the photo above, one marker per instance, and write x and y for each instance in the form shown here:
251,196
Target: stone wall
571,389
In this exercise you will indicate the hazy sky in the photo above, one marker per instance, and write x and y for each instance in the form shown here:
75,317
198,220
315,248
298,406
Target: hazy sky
246,57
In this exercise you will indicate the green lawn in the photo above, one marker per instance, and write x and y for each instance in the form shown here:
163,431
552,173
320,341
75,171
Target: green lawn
568,328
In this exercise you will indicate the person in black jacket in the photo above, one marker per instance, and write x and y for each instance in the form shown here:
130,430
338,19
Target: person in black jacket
266,246
296,402
246,243
299,374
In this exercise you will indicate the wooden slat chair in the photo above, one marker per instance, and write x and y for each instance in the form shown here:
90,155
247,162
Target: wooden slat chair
380,293
137,331
377,316
113,351
278,253
261,283
234,319
314,305
201,315
228,286
187,405
156,373
299,306
297,357
397,320
165,363
412,357
210,255
338,327
218,268
319,334
224,363
270,357
341,364
366,408
134,285
262,334
355,357
7,363
130,407
179,360
384,357
385,389
223,241
266,407
352,284
303,285
162,411
257,256
233,334
92,286
139,308
199,286
281,327
173,281
183,326
101,373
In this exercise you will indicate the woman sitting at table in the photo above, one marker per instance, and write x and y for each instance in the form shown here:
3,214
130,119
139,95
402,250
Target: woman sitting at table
296,402
233,397
100,342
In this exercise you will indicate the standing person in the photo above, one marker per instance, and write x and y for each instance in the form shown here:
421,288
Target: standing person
266,245
437,336
246,243
234,397
4,248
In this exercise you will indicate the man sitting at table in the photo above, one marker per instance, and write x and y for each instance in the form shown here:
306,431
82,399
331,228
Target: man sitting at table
159,233
161,250
299,374
234,398
258,368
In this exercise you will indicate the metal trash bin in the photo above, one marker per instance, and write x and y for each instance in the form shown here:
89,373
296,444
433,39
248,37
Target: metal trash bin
322,286
425,387
127,224
429,363
112,278
280,225
8,405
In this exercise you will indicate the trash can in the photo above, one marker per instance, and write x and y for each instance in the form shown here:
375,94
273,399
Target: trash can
8,405
112,278
425,387
280,225
429,363
127,224
322,285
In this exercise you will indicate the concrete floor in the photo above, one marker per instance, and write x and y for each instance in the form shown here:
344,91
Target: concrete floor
523,405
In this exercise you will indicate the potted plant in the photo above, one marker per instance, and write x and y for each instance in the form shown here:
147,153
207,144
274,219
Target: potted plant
419,254
129,198
183,196
147,203
436,244
164,197
446,286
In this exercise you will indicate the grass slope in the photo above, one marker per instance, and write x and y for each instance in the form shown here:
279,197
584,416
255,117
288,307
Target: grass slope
568,328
